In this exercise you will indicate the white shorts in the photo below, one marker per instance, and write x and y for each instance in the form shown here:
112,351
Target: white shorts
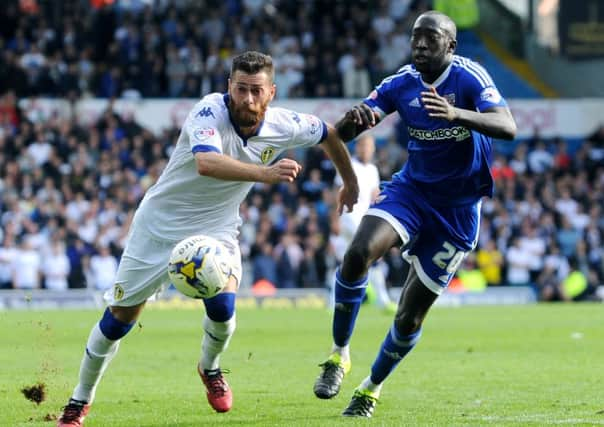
348,227
143,269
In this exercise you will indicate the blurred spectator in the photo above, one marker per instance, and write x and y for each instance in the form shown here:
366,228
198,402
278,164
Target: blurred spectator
539,159
470,275
567,237
289,257
264,266
102,270
26,266
313,187
56,267
549,285
356,82
8,252
519,263
490,262
78,253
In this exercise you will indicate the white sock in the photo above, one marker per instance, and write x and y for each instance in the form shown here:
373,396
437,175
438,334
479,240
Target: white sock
99,352
216,338
344,352
373,388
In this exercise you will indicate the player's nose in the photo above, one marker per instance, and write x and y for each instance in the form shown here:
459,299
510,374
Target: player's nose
248,98
420,43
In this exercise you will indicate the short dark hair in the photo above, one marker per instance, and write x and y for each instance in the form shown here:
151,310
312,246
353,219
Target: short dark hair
252,62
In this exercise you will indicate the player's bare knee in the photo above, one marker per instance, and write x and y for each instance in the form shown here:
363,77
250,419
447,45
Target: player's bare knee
407,323
356,261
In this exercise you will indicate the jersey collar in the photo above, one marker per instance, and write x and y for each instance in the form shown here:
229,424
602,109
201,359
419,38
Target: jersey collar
440,78
225,98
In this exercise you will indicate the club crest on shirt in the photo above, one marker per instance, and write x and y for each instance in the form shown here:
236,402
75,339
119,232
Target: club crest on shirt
450,97
118,292
267,154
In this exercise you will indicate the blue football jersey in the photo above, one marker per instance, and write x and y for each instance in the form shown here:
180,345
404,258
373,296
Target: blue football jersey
448,162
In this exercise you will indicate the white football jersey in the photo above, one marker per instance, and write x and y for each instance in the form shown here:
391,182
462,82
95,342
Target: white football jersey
183,203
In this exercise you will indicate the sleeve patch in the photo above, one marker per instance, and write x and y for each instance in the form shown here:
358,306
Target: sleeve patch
313,122
490,94
203,134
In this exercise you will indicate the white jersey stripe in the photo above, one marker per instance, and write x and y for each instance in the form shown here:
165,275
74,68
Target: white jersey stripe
476,70
473,73
481,71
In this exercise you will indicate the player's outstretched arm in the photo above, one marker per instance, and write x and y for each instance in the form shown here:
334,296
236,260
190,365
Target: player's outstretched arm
223,167
356,120
496,122
339,155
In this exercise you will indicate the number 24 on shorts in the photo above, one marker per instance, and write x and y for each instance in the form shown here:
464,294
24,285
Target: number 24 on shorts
449,259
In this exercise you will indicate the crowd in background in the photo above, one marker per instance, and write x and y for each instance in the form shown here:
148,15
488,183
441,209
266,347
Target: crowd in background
177,48
67,192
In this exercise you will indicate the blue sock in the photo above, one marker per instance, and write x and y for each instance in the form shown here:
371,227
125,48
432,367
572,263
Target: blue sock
113,328
221,307
349,297
394,348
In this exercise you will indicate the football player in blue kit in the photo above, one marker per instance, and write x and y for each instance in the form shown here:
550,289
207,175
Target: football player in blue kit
431,208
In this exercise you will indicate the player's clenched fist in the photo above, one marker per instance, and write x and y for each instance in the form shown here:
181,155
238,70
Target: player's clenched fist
356,120
285,170
362,115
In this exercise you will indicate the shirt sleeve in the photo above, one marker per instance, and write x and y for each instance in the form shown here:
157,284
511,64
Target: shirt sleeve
310,130
380,98
201,127
481,88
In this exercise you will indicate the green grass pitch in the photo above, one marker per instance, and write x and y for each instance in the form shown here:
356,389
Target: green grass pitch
520,365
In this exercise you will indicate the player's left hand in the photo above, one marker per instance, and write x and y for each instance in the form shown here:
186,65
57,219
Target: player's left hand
348,196
438,106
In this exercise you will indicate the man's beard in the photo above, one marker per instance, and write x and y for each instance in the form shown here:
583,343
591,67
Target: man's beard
243,117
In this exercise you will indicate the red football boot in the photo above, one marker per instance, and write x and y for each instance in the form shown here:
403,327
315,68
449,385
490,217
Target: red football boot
73,414
219,393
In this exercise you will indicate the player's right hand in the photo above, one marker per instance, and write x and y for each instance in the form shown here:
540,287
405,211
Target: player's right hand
362,115
285,170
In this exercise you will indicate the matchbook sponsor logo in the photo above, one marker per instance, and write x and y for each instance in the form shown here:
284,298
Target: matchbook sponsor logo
458,133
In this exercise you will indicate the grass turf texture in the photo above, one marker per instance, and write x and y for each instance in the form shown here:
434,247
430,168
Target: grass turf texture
525,365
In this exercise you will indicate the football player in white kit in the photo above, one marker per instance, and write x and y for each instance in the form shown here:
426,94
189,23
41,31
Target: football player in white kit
227,143
369,188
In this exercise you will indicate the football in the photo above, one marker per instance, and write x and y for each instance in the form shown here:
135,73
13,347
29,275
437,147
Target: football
199,267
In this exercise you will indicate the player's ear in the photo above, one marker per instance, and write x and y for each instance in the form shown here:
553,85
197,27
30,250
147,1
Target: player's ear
273,91
229,85
452,45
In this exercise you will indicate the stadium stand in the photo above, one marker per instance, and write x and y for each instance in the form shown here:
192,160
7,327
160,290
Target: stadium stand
62,183
510,84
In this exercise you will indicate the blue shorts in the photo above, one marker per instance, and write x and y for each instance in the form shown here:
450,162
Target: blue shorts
436,238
